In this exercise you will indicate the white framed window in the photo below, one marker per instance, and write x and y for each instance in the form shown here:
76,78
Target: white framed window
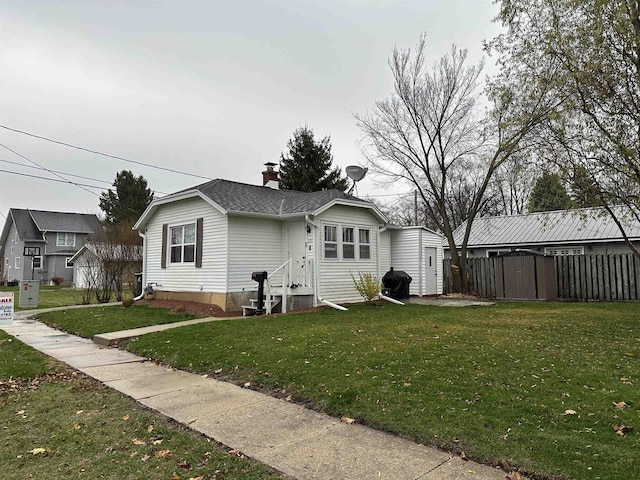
348,244
182,243
67,262
17,263
331,242
37,262
64,239
364,243
495,253
13,250
352,244
563,251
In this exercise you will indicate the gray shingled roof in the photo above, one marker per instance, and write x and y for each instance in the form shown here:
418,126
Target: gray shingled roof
27,229
65,222
559,227
237,197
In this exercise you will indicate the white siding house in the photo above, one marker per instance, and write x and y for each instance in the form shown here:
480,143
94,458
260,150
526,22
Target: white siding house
204,243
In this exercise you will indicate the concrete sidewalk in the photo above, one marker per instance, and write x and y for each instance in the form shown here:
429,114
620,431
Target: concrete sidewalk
290,438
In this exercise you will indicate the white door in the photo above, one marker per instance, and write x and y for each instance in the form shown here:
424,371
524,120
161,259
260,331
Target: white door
296,238
430,271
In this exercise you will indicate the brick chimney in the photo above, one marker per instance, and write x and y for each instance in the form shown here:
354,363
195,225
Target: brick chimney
270,176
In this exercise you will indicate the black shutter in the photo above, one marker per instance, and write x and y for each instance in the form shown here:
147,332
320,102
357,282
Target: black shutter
165,232
199,232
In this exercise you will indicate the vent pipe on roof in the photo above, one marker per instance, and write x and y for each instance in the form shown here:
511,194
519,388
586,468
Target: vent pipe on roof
270,176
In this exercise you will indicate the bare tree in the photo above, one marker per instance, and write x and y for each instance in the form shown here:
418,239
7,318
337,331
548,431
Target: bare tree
434,130
588,52
111,262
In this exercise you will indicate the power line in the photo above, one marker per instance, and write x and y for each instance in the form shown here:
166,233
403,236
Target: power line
102,153
390,195
67,174
55,180
56,171
44,168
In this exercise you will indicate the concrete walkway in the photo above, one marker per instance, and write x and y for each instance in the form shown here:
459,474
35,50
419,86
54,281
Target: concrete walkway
292,439
112,338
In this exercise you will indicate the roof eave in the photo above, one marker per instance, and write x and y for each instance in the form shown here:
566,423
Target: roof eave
185,195
351,203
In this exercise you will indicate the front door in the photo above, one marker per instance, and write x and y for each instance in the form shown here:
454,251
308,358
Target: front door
296,238
430,272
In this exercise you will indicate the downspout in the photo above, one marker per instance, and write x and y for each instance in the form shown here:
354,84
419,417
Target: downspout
144,266
381,229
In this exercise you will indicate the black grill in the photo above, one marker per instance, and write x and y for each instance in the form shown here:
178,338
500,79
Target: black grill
395,284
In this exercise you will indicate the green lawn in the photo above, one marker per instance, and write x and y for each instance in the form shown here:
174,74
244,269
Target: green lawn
53,296
87,322
528,385
58,424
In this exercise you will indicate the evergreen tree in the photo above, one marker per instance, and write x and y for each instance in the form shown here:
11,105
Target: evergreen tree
130,198
306,166
549,193
584,191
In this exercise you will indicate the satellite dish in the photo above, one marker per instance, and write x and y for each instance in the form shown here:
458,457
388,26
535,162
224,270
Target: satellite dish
355,173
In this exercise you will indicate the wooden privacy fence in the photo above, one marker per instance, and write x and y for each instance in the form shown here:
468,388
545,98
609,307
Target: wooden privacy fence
580,277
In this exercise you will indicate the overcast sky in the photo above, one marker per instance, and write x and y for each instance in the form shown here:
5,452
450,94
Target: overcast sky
210,88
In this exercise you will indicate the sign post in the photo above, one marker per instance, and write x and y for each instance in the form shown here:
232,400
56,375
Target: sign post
6,308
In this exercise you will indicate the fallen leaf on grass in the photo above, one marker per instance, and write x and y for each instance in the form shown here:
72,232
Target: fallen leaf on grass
569,412
79,412
20,412
347,420
76,426
233,452
150,428
125,418
463,456
621,430
38,451
137,441
247,384
163,454
197,478
620,405
145,458
175,477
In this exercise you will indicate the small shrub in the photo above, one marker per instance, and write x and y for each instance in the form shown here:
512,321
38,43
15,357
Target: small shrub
127,302
367,285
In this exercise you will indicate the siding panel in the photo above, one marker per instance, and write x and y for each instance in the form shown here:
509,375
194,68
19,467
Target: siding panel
185,277
254,245
335,282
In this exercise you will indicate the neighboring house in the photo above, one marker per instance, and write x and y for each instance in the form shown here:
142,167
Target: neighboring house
567,232
57,236
203,243
94,260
